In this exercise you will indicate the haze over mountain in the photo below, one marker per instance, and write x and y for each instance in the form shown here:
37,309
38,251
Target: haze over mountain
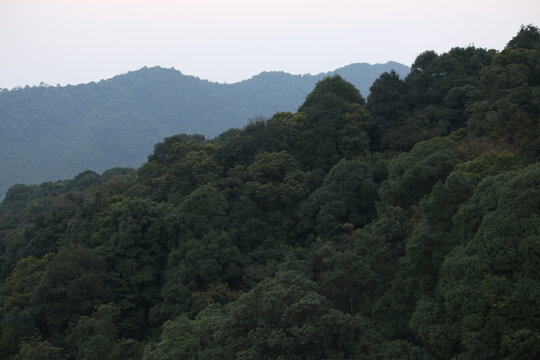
55,132
403,226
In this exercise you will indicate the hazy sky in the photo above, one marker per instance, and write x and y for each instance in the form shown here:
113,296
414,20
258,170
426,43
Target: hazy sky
74,41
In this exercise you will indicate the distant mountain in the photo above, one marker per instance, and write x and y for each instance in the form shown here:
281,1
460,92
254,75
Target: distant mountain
55,132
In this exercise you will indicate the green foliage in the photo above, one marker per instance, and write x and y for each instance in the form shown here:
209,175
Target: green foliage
528,37
291,238
116,171
202,252
431,101
35,348
85,179
332,124
18,192
93,338
433,76
9,342
284,317
381,241
202,211
488,288
24,278
44,235
412,175
275,181
344,278
387,103
401,349
336,124
96,337
510,113
489,163
335,202
127,349
74,283
55,132
132,235
179,165
442,204
185,338
328,91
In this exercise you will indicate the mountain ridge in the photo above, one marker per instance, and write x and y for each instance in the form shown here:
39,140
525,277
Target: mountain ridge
56,132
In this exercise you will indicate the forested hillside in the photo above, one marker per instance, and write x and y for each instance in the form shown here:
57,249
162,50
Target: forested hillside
401,226
50,133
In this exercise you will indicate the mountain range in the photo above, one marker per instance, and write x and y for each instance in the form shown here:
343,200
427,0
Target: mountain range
56,132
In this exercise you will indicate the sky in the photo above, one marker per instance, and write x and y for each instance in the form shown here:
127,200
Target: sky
75,41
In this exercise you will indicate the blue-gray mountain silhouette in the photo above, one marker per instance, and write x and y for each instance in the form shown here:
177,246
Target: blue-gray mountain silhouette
55,132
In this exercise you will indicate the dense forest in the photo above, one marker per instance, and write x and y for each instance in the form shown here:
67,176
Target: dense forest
50,133
401,226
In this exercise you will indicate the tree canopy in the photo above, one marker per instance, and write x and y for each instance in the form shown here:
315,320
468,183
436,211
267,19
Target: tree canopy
404,227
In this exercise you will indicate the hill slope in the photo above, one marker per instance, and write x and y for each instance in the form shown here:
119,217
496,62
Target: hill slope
301,236
56,132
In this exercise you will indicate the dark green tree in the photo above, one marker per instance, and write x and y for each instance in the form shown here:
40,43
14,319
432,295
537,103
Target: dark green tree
337,202
132,235
486,301
75,281
412,175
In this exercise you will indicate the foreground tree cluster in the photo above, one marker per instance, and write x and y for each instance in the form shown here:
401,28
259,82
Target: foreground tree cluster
406,226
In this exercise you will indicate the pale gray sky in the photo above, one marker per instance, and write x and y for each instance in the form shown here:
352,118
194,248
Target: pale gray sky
75,41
